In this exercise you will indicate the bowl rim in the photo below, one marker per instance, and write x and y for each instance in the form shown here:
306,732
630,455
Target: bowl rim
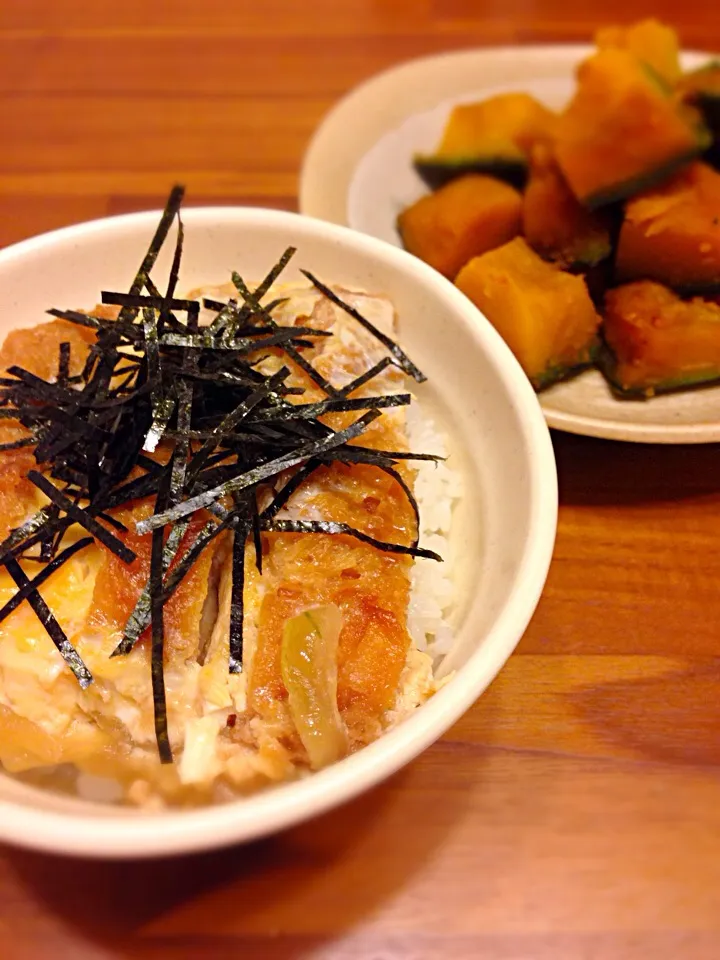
168,833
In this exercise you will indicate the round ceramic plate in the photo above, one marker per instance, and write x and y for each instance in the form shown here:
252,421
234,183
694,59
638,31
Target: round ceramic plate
358,172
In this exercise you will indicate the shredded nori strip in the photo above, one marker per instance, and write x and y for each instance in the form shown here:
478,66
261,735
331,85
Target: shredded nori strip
313,410
230,421
113,521
237,599
53,628
255,530
76,316
64,362
156,303
82,516
158,648
293,484
311,466
56,393
177,257
140,617
221,432
257,474
364,455
208,533
45,574
241,345
19,536
400,356
254,304
272,276
330,526
162,406
142,278
365,377
218,305
17,444
398,477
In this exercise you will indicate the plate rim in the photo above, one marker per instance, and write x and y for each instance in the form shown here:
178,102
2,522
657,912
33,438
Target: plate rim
338,146
313,197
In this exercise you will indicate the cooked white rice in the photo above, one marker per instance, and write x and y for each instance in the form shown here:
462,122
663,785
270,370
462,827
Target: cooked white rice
437,488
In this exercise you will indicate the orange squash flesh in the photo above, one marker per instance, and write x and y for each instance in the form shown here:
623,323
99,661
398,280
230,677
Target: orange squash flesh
509,119
493,136
461,220
659,341
621,131
545,315
555,224
672,233
653,43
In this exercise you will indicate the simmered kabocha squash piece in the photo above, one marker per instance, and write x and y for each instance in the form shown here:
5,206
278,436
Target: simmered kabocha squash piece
461,220
555,223
657,341
492,136
651,42
672,233
544,314
622,131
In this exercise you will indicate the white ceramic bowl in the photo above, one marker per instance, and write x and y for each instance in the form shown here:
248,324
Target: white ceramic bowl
503,532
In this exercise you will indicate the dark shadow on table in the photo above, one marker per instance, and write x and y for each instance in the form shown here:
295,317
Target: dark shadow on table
670,718
125,909
595,472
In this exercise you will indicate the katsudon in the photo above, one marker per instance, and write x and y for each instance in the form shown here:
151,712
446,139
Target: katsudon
217,572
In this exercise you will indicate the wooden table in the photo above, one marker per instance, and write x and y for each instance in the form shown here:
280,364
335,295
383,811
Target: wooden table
575,811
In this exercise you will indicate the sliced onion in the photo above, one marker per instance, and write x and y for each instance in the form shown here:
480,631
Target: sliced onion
309,672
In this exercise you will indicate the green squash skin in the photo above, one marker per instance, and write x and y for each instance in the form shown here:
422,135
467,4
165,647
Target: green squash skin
712,157
707,102
710,289
598,278
594,255
606,363
659,81
436,170
651,178
591,255
706,99
556,373
709,106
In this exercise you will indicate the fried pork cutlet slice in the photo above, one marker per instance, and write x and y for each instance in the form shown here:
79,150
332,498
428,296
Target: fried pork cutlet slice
370,587
45,717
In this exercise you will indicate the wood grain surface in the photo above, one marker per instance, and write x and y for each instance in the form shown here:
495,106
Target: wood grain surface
574,813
